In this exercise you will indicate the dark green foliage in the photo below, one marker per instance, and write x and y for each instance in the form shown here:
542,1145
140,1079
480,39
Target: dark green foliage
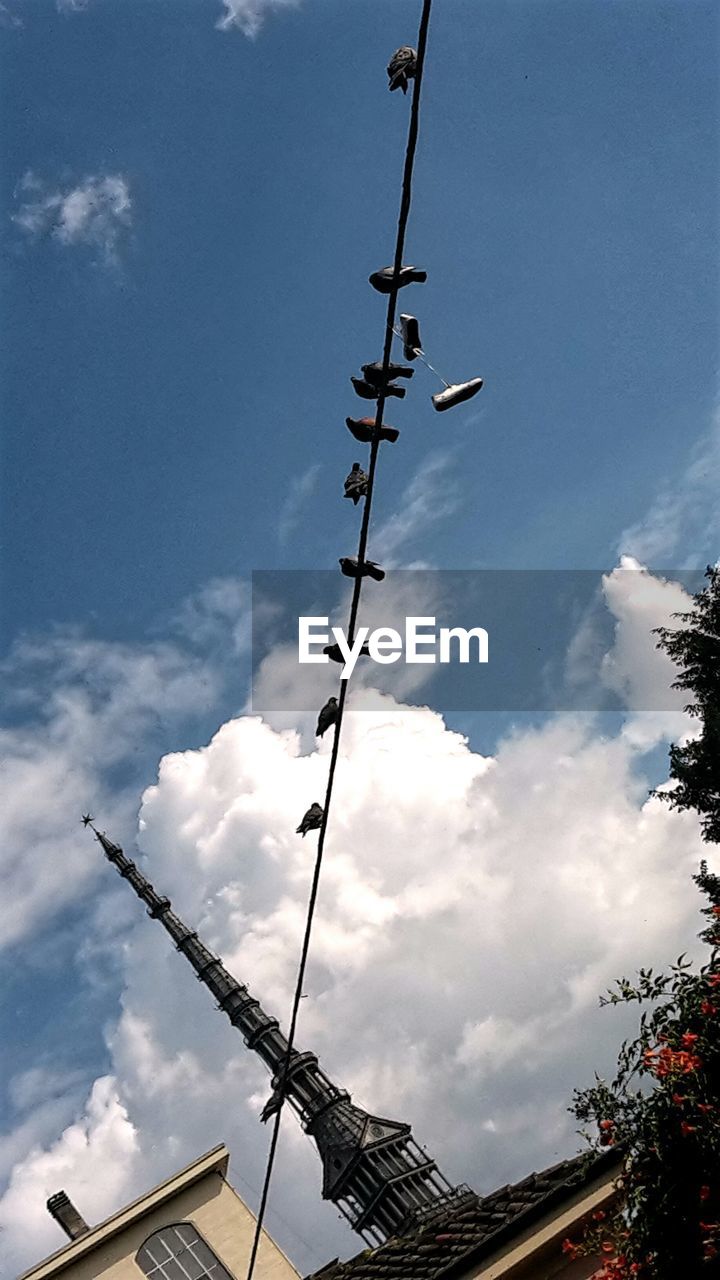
663,1111
695,767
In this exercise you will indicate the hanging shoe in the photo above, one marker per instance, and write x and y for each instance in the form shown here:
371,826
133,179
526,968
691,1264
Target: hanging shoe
311,820
368,569
384,280
401,68
367,392
456,394
410,334
374,372
327,717
363,430
335,653
356,483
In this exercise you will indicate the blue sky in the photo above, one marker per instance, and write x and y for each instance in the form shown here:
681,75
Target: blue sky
188,219
157,411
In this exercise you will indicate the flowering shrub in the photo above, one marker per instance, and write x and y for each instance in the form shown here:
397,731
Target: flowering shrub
662,1111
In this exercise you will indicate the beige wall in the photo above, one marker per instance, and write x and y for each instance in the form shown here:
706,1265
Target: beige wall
213,1207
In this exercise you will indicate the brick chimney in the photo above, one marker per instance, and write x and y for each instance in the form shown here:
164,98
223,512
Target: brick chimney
62,1209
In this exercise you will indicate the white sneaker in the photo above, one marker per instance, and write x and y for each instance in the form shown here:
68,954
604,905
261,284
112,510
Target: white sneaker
456,394
410,334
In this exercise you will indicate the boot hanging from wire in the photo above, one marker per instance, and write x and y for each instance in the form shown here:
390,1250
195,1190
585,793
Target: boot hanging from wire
401,68
356,483
455,392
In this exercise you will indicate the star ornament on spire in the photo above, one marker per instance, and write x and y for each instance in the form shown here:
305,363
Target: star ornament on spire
87,819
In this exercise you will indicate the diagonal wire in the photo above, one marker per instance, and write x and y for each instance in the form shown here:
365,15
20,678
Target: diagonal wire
405,201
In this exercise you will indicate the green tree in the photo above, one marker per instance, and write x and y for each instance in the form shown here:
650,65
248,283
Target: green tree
695,648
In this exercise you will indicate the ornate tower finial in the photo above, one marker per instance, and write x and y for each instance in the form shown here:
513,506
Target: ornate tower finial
373,1170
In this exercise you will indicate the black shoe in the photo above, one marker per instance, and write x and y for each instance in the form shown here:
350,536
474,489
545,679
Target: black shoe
356,483
401,68
374,372
363,430
456,394
384,280
368,569
327,717
335,654
368,392
311,820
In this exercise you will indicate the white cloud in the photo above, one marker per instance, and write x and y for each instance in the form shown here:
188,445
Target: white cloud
471,910
300,489
95,705
635,667
684,520
96,212
215,614
9,19
93,1160
248,15
431,495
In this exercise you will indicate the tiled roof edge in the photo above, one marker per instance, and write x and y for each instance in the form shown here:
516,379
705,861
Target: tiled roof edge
596,1166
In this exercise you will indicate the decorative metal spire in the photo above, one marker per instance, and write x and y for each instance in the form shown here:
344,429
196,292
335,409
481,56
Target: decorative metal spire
373,1170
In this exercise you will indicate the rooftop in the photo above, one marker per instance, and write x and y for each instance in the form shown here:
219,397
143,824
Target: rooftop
464,1237
213,1161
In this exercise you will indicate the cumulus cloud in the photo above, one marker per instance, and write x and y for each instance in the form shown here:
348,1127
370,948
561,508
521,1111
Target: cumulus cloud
84,709
471,909
633,666
93,1160
248,15
96,212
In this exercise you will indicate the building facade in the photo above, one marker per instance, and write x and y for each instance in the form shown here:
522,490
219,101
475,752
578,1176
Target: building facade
193,1226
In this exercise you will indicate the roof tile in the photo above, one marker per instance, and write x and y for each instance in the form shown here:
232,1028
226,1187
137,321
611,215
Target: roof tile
430,1251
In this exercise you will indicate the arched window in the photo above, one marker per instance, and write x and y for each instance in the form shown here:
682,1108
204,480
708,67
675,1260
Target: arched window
179,1253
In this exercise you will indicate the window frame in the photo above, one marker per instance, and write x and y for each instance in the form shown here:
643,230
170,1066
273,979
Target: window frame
218,1269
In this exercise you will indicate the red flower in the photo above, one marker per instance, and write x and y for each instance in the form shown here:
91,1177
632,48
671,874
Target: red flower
686,1128
688,1039
568,1247
714,980
705,1107
678,1099
715,910
707,1008
605,1126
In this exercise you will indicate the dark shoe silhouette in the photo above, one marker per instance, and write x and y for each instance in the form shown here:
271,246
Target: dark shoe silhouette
363,430
368,569
374,372
401,68
367,392
383,280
